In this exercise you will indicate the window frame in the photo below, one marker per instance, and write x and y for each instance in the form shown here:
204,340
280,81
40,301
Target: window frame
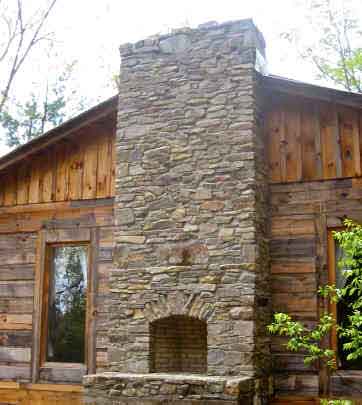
48,238
49,255
332,306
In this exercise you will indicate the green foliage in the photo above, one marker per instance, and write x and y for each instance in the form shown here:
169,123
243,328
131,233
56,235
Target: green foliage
40,113
331,292
336,402
30,119
303,339
334,49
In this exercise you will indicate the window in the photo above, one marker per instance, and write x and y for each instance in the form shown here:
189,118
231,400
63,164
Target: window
65,291
340,310
64,338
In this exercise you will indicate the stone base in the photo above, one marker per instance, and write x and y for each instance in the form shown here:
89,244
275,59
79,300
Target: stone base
179,389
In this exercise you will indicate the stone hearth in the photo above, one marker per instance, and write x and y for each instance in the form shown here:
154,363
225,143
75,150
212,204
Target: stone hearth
149,389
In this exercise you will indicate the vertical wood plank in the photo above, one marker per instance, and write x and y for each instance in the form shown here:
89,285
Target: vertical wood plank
273,136
114,160
10,189
282,148
356,145
54,166
34,184
22,195
68,160
103,176
293,143
328,141
318,148
109,164
308,137
112,164
90,168
337,141
360,140
61,172
75,171
299,143
46,175
348,128
113,130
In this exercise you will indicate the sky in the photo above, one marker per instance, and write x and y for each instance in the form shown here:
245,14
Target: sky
90,31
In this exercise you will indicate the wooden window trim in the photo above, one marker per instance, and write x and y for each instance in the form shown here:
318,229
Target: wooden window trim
49,252
332,306
60,237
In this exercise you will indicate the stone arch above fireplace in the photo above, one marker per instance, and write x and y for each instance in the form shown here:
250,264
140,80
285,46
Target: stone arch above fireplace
178,344
179,304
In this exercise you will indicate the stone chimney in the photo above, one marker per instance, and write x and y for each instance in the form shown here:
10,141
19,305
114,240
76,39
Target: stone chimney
189,293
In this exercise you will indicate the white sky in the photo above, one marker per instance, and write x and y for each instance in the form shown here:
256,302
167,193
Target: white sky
91,31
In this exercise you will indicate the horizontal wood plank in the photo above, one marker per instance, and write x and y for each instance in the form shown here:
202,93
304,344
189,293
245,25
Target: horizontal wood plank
15,321
15,338
15,355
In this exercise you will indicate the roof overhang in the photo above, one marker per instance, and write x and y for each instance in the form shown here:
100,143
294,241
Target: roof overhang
277,84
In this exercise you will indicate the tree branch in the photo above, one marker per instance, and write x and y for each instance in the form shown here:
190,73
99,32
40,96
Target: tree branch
23,50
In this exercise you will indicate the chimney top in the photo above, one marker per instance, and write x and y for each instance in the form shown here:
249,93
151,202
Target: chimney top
179,40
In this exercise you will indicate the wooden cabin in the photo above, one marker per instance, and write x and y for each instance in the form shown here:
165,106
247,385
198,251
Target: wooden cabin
55,190
57,193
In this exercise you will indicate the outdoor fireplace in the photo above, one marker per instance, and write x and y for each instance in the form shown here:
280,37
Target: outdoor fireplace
178,344
189,291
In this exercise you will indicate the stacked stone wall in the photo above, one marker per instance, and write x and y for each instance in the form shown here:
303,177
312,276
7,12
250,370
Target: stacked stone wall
191,201
188,209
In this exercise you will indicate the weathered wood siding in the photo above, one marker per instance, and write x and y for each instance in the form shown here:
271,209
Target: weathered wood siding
17,253
19,235
314,152
40,394
78,167
301,214
310,140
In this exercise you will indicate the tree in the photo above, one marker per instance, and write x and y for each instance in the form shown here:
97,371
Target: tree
334,46
25,121
19,36
310,342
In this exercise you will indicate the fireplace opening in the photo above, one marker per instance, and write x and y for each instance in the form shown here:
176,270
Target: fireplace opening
178,344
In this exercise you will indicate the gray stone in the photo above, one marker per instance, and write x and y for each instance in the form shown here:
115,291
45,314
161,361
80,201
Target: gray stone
175,44
190,231
244,328
136,131
138,240
125,216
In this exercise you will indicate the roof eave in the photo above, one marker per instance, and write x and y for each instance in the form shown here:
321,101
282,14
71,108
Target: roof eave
307,90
